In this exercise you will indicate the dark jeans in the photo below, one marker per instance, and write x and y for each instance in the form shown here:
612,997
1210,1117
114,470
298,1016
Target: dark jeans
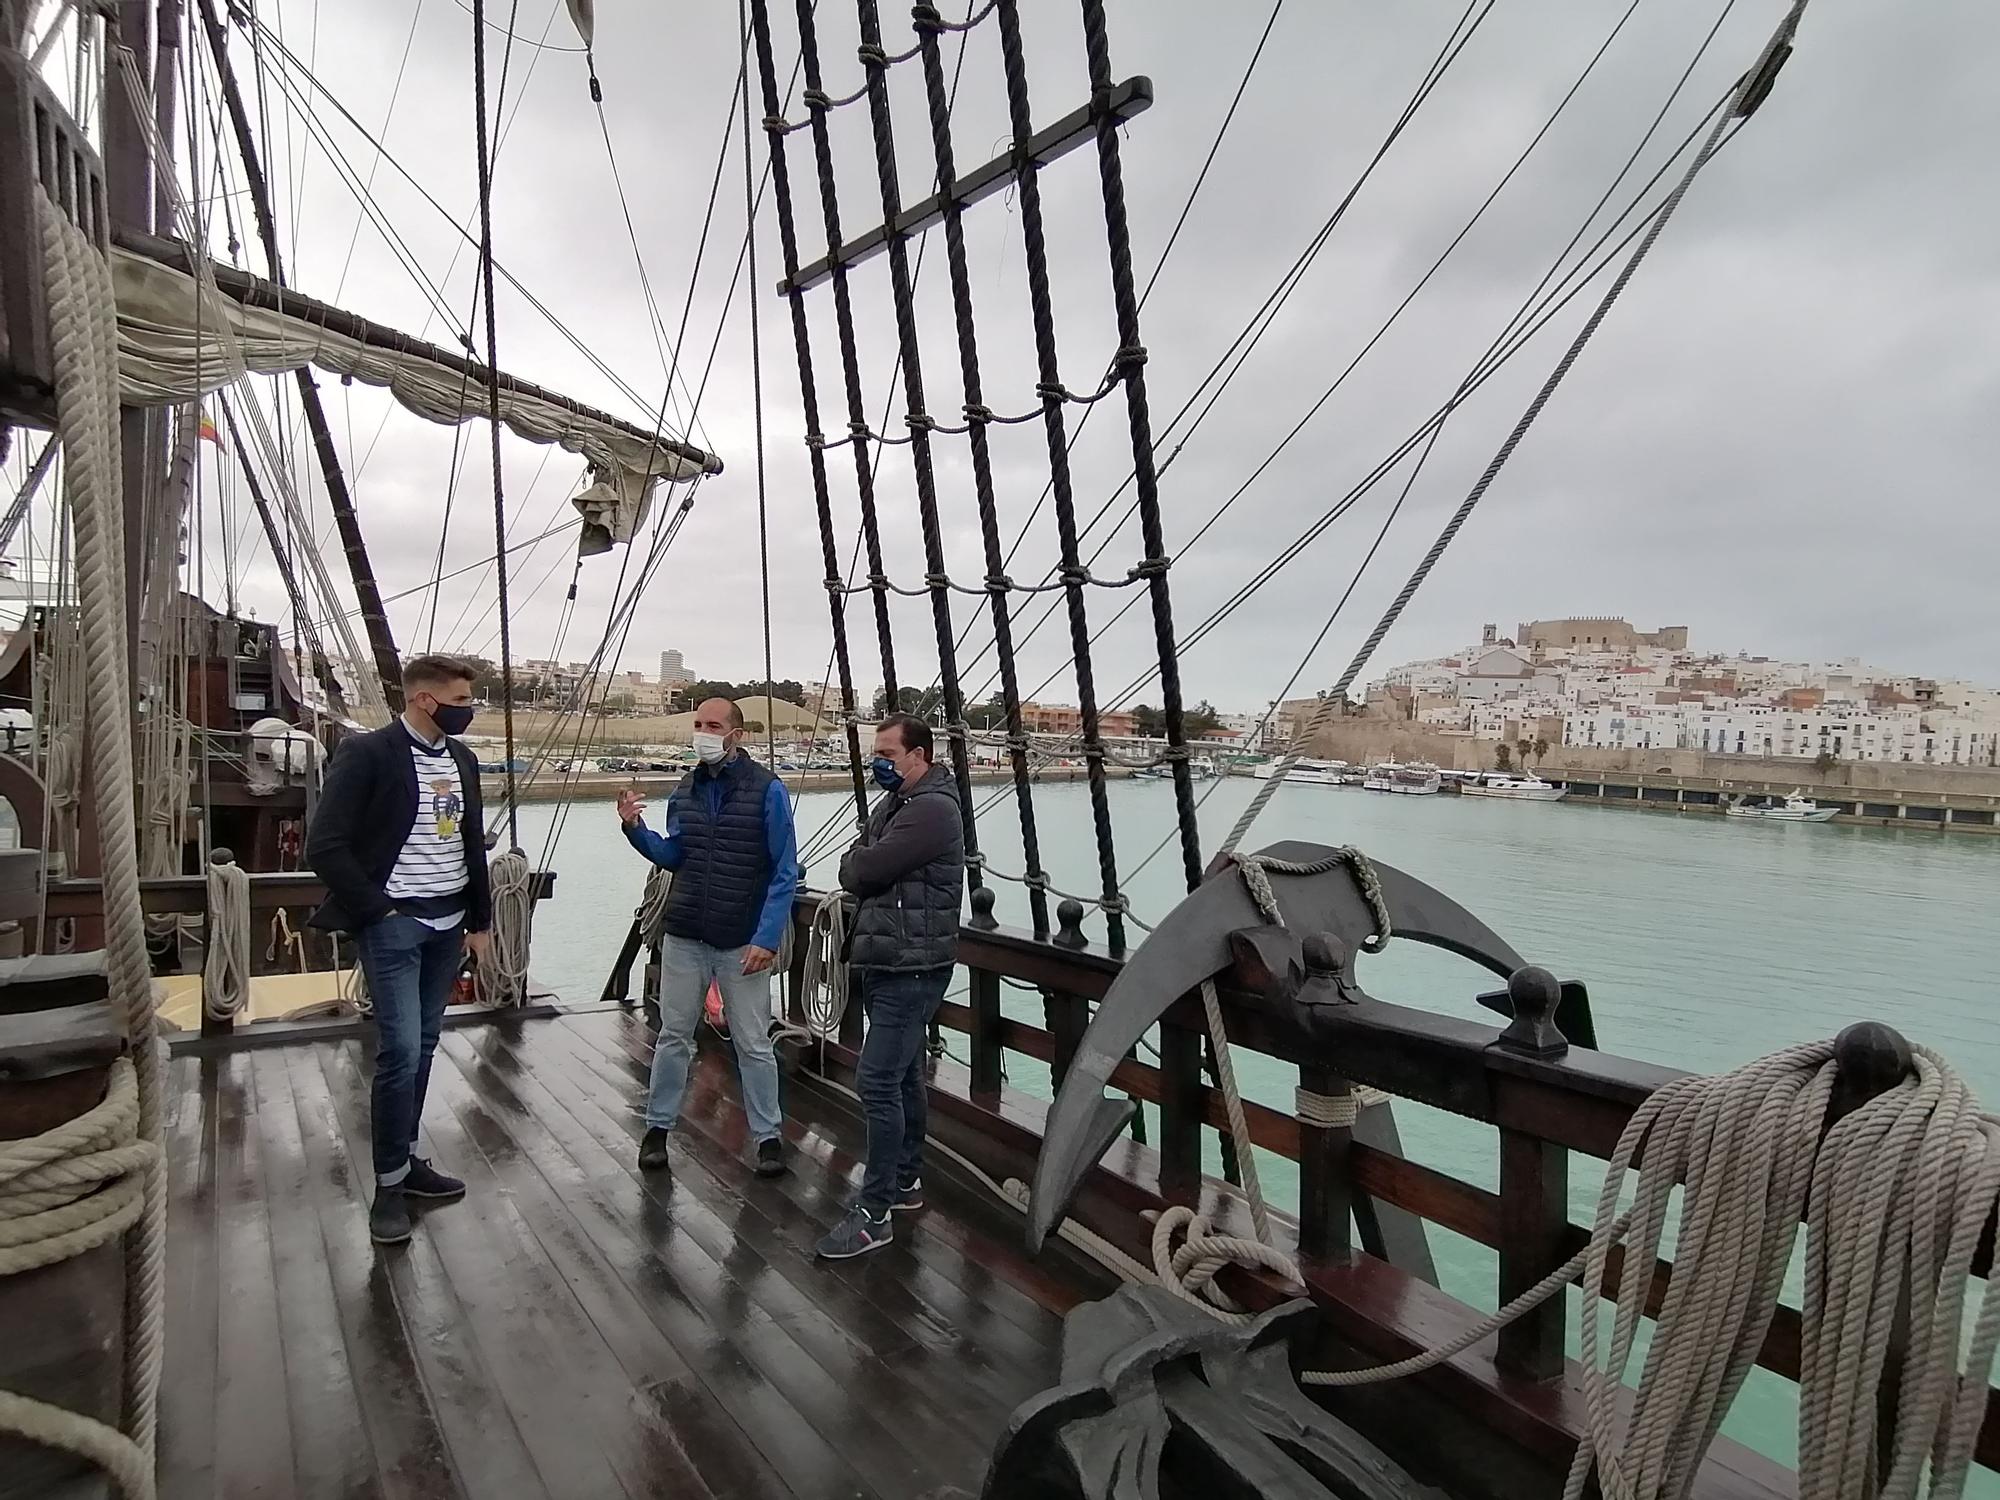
890,1077
410,967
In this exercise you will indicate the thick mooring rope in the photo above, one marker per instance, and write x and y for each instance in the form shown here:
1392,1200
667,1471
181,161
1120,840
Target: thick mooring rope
83,331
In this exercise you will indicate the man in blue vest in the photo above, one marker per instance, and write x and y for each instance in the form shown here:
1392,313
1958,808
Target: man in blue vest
730,845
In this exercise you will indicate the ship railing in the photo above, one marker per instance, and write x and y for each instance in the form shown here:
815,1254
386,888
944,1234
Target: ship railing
1358,1224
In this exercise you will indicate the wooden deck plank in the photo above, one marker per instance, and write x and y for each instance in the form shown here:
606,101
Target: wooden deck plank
593,1356
411,1459
331,1446
252,1421
575,1327
832,1381
546,1378
667,1389
485,1447
909,1365
187,1399
974,1243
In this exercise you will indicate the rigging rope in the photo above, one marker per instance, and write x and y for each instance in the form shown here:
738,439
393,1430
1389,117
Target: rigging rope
83,333
485,165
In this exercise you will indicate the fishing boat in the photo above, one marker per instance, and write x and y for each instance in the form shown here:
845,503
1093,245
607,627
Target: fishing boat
1404,781
1528,788
1096,1300
1796,807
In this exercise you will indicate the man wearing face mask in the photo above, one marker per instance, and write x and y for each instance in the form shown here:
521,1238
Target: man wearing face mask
734,857
908,869
399,840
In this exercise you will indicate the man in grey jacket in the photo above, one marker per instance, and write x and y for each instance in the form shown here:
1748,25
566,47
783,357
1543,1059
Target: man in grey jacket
908,869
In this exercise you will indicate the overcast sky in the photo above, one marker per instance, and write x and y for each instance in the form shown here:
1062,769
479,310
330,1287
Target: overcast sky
1784,435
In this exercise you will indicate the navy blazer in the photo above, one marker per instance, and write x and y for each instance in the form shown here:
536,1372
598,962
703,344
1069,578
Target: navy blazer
366,809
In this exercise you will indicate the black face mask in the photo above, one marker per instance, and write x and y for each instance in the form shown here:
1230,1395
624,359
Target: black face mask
452,718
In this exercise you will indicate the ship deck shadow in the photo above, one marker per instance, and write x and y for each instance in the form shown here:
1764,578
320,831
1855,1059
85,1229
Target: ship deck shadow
574,1327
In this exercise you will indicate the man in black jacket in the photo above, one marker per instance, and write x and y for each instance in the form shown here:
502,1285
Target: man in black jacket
908,869
400,841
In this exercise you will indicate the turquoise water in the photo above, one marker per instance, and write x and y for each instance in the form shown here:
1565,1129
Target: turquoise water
1704,943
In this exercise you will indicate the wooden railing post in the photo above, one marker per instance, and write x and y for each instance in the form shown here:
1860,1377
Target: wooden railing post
988,1065
1180,1113
1326,1192
1067,1017
1534,1220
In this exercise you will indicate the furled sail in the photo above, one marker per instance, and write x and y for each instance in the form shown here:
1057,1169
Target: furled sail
171,348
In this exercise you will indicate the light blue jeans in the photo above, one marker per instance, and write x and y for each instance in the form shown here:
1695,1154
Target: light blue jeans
686,969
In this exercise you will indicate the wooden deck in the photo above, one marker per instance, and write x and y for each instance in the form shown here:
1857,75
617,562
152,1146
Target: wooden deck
572,1329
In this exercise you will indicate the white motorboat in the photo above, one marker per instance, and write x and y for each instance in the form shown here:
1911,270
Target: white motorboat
1307,772
1797,808
1529,788
1407,781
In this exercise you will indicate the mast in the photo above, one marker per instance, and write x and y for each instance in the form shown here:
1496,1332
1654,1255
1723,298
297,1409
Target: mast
381,642
281,554
128,178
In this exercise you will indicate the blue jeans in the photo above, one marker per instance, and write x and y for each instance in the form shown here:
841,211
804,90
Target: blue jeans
687,968
410,967
890,1076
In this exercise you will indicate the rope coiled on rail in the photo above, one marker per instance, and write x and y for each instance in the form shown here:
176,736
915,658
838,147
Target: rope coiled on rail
225,968
503,970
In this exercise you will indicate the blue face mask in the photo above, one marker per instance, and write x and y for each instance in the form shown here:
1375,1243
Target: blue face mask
887,776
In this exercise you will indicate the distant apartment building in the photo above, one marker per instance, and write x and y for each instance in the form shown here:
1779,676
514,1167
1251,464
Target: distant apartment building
673,671
1065,719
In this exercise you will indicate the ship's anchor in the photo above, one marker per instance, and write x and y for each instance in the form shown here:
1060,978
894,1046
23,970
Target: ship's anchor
1158,1400
1330,915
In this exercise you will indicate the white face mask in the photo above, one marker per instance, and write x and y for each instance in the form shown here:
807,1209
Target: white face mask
710,747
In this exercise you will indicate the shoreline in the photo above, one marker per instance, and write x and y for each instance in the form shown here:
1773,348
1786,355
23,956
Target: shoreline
556,787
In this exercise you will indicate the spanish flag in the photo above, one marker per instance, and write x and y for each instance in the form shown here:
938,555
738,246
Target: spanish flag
208,431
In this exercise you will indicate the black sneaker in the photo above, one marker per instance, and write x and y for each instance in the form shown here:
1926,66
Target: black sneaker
426,1181
389,1218
856,1234
909,1199
653,1150
771,1157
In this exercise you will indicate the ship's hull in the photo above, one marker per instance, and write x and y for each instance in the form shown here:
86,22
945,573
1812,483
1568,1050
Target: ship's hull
1516,793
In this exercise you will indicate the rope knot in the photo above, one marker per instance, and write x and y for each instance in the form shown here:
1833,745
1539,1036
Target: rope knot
1129,360
871,55
998,583
1075,573
1052,390
817,99
937,580
1150,567
1036,880
816,440
978,411
926,18
921,421
776,125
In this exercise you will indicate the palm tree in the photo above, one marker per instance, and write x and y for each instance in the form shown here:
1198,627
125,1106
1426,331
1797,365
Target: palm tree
1503,757
1541,749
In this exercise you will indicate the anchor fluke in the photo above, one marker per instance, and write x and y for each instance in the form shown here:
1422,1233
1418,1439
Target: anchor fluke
1193,944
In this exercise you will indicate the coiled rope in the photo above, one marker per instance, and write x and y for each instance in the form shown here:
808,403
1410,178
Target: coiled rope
824,979
117,1157
225,968
503,970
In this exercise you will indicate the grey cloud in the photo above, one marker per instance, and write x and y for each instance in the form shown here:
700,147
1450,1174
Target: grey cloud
1782,437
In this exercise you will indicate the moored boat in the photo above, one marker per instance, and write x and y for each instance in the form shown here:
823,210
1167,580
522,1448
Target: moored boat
1796,808
1527,788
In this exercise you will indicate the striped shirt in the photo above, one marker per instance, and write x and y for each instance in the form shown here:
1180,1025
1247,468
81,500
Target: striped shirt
432,863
